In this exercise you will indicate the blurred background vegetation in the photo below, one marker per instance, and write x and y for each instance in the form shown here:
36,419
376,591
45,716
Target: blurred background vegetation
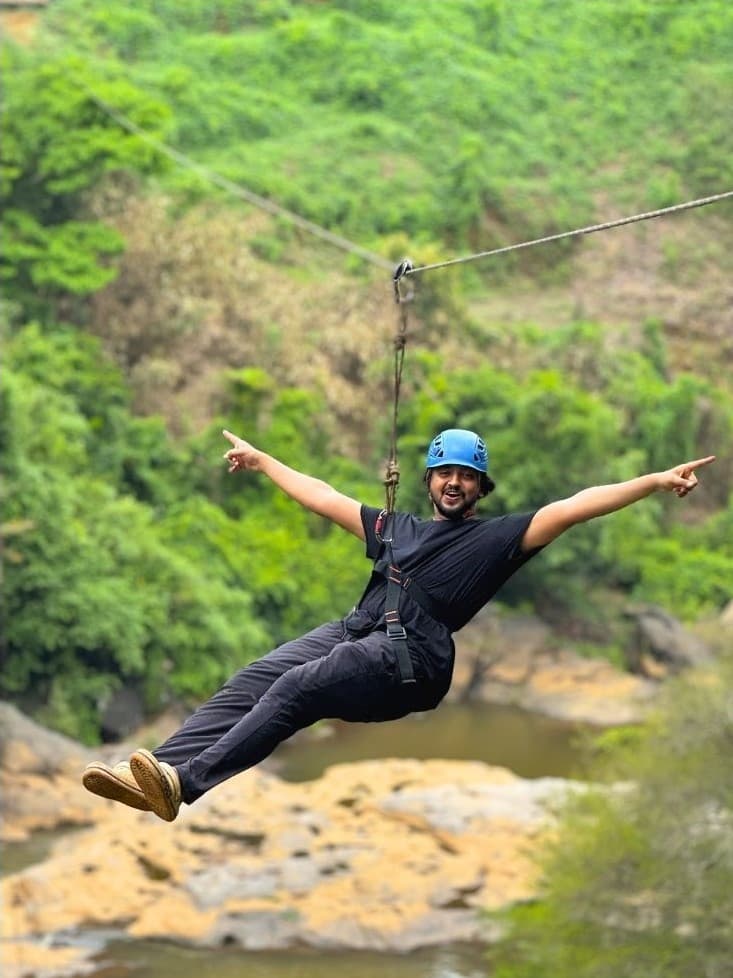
143,309
637,878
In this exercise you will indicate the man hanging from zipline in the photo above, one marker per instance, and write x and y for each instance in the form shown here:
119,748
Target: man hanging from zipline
393,654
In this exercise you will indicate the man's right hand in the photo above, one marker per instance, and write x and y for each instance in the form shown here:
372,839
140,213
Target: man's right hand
316,495
242,455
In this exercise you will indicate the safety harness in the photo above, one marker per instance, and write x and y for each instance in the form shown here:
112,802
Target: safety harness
384,565
398,584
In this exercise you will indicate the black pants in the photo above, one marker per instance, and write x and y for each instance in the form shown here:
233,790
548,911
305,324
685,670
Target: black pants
326,673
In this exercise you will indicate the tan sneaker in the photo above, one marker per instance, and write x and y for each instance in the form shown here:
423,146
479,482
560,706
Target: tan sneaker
116,783
158,782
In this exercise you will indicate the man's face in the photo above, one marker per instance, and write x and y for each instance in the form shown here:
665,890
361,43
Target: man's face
454,491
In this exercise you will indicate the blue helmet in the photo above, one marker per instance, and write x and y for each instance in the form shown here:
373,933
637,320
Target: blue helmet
457,446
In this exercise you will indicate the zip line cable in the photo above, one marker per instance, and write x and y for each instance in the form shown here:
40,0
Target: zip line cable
263,203
648,215
404,269
392,475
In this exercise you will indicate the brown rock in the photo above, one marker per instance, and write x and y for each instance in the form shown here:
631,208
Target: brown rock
392,854
567,686
39,778
28,959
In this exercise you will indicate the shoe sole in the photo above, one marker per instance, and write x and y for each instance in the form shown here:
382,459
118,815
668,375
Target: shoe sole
102,781
154,785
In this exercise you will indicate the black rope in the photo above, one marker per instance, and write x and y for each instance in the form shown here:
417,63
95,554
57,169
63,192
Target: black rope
402,297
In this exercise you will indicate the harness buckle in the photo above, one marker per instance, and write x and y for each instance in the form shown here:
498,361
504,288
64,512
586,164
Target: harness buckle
395,628
396,632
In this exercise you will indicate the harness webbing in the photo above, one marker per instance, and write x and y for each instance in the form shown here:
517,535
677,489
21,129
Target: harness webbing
385,566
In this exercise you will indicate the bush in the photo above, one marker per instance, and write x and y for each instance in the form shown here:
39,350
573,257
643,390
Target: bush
636,880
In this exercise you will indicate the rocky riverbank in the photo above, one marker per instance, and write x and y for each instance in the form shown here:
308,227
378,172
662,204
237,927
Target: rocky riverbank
385,855
516,660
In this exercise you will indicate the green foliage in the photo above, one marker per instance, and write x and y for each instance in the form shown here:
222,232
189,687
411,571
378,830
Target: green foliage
413,129
637,880
301,569
550,436
475,123
57,259
78,386
133,574
57,144
94,595
684,575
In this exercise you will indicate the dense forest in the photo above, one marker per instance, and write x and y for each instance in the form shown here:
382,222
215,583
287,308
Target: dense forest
146,305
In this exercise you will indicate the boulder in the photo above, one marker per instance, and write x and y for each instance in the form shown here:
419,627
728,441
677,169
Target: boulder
511,660
660,645
39,778
490,638
122,715
726,616
40,770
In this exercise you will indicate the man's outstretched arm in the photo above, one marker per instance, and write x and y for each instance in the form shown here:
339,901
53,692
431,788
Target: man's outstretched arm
553,519
314,494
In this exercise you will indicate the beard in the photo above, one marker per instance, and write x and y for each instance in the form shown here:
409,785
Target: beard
460,507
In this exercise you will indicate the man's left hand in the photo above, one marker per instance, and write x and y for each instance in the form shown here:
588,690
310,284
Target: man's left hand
682,479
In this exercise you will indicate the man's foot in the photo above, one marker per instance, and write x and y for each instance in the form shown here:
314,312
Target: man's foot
116,783
158,782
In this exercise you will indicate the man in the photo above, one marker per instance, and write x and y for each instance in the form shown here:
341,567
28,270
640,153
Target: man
393,654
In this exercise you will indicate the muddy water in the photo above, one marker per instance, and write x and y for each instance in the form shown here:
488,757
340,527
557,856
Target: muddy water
148,960
532,746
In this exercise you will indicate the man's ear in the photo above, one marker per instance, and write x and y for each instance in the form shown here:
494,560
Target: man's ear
487,486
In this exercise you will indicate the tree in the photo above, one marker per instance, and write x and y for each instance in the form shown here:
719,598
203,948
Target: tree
95,594
58,142
637,878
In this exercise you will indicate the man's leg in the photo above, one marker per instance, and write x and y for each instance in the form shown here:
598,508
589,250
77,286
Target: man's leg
357,680
215,718
212,720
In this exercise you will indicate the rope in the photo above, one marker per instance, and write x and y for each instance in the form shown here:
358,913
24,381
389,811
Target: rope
236,189
392,473
648,215
406,268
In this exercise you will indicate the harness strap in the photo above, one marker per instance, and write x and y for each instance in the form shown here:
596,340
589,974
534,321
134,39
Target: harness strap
396,630
397,584
393,574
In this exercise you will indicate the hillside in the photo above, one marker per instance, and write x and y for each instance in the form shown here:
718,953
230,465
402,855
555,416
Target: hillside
145,307
538,119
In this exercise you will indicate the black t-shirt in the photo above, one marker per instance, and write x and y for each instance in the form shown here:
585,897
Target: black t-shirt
461,564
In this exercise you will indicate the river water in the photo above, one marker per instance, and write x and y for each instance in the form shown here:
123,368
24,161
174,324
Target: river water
148,960
530,745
